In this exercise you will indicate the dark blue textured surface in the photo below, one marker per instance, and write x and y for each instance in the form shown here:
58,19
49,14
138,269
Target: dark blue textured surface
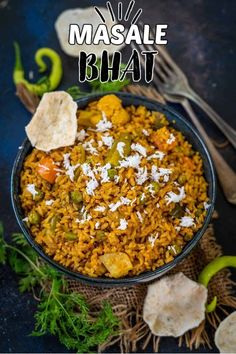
202,38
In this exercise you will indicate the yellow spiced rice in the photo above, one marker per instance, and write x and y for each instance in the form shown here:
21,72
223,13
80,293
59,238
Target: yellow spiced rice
139,218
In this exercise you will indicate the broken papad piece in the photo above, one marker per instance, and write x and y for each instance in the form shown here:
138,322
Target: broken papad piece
225,336
174,305
54,123
81,17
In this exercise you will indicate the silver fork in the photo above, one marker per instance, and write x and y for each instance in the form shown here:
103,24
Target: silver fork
225,173
172,81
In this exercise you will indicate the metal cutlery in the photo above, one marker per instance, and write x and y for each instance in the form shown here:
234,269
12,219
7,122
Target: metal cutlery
226,175
172,81
163,78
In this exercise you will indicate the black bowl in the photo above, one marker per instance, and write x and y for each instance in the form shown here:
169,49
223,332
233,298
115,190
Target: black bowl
180,124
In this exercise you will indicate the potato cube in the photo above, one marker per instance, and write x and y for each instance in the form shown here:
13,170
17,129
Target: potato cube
118,264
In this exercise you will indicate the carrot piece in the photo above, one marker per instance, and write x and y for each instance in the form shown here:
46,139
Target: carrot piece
160,139
188,163
47,169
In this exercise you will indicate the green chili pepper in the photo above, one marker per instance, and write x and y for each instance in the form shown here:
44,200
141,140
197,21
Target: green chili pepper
53,222
82,152
77,173
210,270
70,236
51,82
113,156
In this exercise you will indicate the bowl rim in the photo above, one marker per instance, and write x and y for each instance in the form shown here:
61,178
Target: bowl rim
144,276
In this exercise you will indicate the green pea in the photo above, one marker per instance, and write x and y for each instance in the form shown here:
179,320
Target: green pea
143,199
89,160
177,212
111,173
198,212
76,197
175,250
34,217
190,153
39,196
156,186
182,179
53,222
178,149
100,235
70,236
159,123
188,237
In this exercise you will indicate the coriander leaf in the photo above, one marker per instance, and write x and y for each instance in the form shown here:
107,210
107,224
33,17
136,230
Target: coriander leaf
25,262
111,86
29,281
60,312
21,243
18,263
26,265
44,80
67,316
19,239
98,86
75,92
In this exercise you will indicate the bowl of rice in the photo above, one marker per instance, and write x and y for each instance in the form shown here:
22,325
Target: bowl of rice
126,201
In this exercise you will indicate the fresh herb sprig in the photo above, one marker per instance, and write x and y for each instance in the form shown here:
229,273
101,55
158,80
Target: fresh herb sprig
60,312
66,315
99,87
76,93
23,260
116,85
